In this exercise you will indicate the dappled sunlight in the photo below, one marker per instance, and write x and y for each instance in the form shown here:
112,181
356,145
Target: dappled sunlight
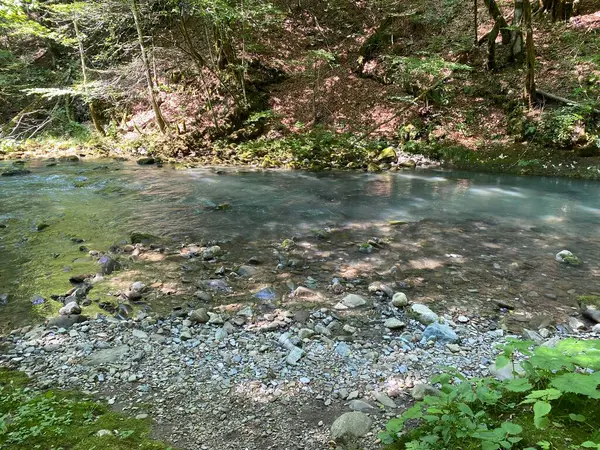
425,263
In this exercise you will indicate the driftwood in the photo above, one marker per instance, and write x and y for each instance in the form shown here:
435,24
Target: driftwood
548,96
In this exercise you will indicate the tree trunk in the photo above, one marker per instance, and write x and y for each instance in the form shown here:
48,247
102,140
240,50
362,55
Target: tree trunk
517,49
499,19
158,117
475,25
96,119
491,62
530,54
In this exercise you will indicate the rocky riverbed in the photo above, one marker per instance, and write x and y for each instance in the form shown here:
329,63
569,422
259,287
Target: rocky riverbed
281,371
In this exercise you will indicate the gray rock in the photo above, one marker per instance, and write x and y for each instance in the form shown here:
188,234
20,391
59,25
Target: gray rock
305,293
69,309
215,319
102,433
305,333
377,287
247,271
139,334
533,336
576,324
507,372
394,324
245,312
399,300
65,321
420,391
439,332
199,315
203,296
350,426
353,301
221,334
321,329
454,348
108,265
294,356
384,399
185,335
107,356
592,314
212,252
359,405
424,314
342,349
566,257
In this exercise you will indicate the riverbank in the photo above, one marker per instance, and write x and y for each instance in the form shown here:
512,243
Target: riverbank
322,151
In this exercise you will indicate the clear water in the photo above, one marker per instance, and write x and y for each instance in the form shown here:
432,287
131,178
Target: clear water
102,203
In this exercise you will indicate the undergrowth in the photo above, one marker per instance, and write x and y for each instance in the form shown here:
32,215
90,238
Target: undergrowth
31,419
550,403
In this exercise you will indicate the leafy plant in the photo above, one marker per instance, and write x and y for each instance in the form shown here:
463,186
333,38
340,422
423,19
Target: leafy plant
555,398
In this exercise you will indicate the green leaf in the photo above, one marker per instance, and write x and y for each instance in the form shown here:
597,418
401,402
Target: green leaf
511,428
577,417
541,422
412,413
386,437
578,383
518,385
464,408
544,394
395,425
590,444
541,409
502,361
487,445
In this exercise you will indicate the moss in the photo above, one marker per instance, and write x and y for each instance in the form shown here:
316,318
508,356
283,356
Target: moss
57,419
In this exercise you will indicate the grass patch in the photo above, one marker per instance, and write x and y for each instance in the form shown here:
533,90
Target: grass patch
32,419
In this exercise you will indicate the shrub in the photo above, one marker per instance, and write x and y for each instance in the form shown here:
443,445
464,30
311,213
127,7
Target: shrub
553,405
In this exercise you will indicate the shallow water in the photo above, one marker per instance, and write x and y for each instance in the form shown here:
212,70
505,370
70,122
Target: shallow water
102,203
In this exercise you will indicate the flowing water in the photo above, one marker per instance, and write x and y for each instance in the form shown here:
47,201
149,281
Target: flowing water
45,214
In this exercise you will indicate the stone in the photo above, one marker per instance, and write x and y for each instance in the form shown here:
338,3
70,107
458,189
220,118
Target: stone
384,399
247,271
141,416
203,296
592,314
139,334
221,334
462,319
576,324
350,426
420,391
342,349
566,257
359,405
69,309
454,348
353,301
439,332
533,336
424,314
146,161
265,294
323,330
305,293
102,433
294,356
507,372
199,315
394,324
245,312
185,335
305,333
107,356
65,321
212,252
377,287
399,300
215,319
108,265
349,329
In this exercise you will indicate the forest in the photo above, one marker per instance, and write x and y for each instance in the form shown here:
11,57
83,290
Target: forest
299,224
302,85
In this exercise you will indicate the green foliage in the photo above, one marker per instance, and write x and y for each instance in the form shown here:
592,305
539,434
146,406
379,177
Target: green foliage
565,126
31,419
553,406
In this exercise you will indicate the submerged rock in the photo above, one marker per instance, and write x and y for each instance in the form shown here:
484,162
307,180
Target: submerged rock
14,172
566,257
146,161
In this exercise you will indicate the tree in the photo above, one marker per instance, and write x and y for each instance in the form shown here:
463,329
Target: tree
158,117
530,90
